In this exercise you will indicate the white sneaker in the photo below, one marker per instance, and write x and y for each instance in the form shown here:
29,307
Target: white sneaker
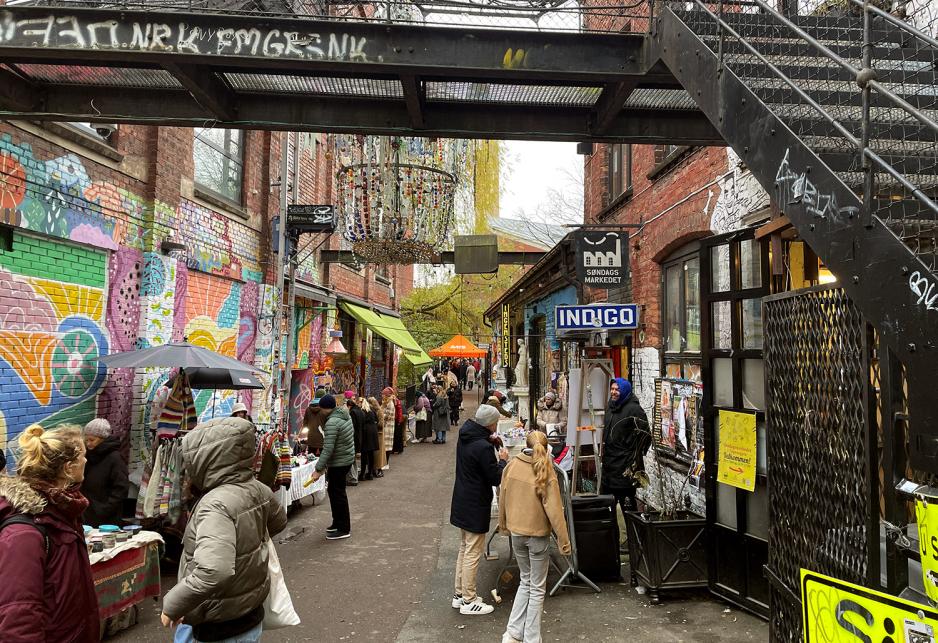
477,607
457,601
508,638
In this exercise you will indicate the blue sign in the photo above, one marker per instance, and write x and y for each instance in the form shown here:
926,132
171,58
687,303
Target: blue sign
597,317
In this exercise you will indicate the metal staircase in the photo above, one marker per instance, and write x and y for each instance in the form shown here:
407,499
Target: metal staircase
837,116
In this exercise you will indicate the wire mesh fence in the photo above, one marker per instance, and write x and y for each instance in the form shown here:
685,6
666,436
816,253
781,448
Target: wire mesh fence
537,15
858,82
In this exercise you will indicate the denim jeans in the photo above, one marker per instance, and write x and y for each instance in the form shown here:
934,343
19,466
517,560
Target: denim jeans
183,634
533,556
441,436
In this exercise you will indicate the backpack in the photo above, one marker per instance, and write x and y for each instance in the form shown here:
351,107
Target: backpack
21,519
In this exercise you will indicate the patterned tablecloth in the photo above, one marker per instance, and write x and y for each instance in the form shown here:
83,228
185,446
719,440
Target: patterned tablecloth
296,491
127,578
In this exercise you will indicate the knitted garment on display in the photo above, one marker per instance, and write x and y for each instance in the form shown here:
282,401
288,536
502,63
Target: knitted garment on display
179,410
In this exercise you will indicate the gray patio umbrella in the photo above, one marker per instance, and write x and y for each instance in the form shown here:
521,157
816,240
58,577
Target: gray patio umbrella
182,355
222,378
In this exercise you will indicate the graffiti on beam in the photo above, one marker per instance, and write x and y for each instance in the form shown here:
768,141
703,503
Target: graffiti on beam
54,31
923,288
792,187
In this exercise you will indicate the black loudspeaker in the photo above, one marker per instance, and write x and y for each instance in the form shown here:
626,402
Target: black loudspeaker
597,537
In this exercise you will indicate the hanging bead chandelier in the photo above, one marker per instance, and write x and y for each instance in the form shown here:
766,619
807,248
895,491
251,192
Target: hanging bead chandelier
396,196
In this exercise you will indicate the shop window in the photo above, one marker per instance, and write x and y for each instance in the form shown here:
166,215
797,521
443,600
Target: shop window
620,170
347,326
378,350
682,306
218,155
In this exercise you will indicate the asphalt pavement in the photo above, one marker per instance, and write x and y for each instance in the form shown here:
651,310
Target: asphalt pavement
393,579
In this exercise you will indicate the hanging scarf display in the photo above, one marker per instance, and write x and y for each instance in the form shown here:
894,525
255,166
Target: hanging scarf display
179,410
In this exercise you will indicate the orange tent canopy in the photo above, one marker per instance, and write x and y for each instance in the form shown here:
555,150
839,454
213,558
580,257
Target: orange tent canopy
458,346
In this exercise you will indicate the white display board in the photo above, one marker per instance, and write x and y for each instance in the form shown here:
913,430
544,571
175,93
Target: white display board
600,375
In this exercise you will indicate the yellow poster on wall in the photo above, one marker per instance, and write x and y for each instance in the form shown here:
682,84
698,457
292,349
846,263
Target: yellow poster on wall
926,515
835,611
736,461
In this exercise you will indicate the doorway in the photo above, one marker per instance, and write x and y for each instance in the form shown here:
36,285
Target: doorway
734,279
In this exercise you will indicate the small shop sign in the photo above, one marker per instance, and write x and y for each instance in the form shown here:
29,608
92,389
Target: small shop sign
596,317
736,460
311,218
602,258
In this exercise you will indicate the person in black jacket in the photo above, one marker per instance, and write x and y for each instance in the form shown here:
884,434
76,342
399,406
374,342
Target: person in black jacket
477,471
626,438
454,395
106,483
358,425
370,444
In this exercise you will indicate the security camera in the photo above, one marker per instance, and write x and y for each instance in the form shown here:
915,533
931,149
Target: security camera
105,130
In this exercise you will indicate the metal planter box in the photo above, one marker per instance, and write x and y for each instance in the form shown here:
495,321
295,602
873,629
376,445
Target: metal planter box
666,554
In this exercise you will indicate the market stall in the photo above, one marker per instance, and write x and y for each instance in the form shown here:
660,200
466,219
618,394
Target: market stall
124,576
302,471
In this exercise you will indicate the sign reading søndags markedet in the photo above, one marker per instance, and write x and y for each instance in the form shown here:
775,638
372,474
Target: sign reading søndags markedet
602,258
835,611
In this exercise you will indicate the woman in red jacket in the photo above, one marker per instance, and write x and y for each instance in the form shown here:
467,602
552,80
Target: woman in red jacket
47,594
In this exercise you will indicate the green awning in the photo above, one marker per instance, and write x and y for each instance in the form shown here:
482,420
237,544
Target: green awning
391,329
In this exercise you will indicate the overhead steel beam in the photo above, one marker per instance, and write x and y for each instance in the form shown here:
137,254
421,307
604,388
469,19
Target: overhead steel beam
95,35
377,116
610,103
446,257
207,89
17,94
414,97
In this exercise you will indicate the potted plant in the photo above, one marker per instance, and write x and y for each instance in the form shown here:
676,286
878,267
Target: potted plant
667,546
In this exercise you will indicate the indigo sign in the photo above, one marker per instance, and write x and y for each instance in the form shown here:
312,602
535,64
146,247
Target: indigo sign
597,317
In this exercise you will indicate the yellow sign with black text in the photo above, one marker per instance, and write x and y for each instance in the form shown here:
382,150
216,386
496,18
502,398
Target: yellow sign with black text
926,515
736,458
835,611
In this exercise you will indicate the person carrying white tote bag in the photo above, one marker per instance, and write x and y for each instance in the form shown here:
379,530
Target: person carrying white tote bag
278,607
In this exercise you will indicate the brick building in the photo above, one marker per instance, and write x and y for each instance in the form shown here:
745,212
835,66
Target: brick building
135,236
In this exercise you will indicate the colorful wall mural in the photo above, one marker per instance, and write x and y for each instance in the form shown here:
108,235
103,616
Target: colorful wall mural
52,330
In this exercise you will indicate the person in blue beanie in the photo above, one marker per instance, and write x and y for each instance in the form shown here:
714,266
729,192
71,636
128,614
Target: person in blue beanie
626,438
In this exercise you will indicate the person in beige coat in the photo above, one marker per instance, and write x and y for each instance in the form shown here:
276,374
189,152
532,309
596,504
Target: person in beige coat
529,508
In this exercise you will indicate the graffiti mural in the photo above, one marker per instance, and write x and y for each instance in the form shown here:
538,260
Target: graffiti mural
57,197
52,331
217,245
213,319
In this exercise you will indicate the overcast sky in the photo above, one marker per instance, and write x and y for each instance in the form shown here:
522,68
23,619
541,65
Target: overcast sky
532,168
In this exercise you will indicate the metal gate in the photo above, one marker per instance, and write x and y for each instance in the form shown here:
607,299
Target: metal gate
822,451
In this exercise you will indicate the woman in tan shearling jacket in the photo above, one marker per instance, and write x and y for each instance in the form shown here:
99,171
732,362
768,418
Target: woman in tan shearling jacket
529,508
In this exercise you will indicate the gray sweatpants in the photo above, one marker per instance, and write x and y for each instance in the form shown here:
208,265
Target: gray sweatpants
533,556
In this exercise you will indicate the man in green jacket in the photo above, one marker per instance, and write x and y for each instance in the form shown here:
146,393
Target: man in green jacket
336,459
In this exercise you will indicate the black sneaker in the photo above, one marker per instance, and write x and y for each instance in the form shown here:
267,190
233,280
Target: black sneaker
338,535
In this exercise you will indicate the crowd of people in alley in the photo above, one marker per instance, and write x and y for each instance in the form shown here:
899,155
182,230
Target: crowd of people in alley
69,476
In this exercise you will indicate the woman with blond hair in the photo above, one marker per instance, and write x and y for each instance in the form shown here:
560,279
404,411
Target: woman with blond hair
529,508
47,592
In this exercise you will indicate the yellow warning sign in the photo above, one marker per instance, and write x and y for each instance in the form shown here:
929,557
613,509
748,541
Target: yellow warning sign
926,515
835,611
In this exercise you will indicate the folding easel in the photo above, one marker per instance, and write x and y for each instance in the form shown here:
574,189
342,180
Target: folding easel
573,564
588,368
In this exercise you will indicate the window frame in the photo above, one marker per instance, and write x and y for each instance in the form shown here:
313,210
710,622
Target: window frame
227,161
679,261
619,175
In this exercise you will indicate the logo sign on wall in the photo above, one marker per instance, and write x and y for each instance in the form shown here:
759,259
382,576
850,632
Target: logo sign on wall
597,317
311,218
602,258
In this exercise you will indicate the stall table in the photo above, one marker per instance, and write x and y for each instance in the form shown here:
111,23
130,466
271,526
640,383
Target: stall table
124,576
298,478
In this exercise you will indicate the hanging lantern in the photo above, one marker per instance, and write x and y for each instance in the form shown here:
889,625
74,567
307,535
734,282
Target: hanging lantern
335,346
396,196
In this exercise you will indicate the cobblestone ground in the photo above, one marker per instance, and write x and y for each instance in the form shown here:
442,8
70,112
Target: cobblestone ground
392,580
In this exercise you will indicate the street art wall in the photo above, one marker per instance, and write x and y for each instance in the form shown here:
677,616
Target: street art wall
52,330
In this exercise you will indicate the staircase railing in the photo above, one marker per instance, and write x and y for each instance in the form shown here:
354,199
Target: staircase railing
889,119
